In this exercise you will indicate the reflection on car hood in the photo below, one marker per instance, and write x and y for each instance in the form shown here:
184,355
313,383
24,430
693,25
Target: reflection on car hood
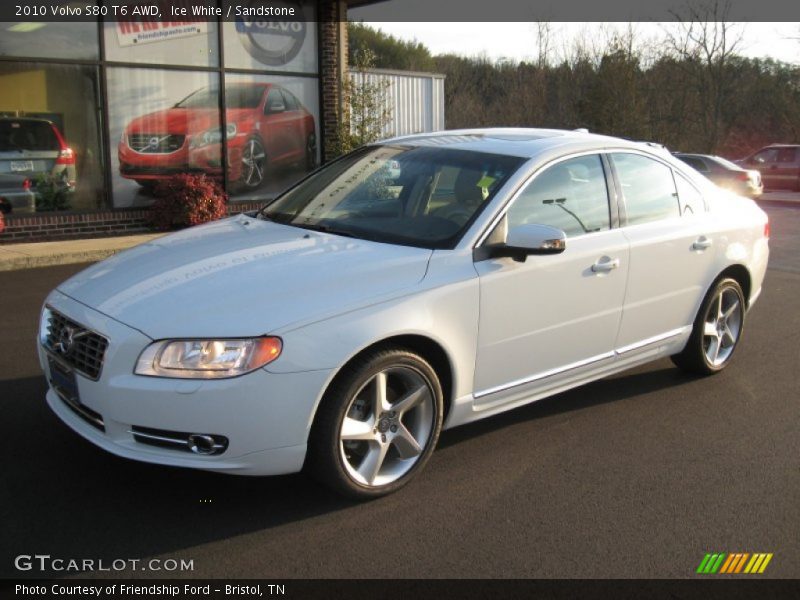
243,277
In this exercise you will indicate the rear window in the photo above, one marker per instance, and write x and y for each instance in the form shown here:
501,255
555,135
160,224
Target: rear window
27,135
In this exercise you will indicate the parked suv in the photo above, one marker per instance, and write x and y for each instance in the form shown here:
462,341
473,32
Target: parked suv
29,149
266,125
779,165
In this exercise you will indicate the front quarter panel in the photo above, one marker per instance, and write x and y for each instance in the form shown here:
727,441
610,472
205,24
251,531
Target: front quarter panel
443,308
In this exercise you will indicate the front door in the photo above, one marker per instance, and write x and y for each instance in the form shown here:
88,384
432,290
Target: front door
553,313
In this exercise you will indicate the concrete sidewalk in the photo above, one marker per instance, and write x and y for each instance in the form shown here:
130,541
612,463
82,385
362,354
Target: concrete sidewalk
47,254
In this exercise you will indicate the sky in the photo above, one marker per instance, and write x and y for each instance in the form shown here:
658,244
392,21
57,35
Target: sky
517,41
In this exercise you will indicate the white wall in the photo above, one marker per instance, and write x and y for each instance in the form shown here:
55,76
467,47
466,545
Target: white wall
416,100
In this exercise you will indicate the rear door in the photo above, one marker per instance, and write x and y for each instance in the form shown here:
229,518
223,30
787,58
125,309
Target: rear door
671,250
785,169
766,161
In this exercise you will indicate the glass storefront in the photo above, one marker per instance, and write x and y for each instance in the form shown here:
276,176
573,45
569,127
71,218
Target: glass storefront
238,101
50,140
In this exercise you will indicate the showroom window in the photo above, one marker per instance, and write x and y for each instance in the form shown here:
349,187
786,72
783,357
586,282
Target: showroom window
647,187
50,152
35,39
165,123
272,143
155,99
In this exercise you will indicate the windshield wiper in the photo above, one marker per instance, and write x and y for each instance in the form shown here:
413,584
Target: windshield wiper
322,228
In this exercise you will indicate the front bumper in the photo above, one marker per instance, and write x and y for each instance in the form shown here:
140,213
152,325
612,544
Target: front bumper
265,416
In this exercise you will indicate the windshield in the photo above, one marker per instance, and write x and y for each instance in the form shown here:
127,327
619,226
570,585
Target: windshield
423,197
236,96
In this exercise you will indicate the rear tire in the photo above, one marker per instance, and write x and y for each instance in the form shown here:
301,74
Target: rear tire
717,330
377,424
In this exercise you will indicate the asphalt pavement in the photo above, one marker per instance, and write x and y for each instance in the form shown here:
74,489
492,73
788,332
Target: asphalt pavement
635,476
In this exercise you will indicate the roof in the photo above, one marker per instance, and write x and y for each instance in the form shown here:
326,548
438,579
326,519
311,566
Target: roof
523,142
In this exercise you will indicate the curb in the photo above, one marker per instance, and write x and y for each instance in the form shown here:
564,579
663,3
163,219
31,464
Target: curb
15,257
16,263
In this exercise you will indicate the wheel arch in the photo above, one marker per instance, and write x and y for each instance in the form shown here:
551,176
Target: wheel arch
742,276
428,348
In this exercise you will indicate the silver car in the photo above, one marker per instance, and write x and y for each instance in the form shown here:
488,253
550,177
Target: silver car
30,149
725,174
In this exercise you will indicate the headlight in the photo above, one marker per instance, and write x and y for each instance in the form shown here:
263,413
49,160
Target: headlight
207,359
44,325
213,136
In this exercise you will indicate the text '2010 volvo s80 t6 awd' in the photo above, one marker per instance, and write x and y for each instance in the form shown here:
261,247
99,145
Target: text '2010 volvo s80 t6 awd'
412,285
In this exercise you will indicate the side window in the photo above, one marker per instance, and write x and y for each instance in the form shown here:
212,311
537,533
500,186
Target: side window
695,163
275,102
647,187
289,100
691,201
571,196
786,155
770,155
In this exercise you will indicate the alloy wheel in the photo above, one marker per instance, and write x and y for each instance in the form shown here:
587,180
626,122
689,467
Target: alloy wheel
254,162
722,326
387,426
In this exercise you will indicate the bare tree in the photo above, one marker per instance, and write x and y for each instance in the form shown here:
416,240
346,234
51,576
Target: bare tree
706,44
544,34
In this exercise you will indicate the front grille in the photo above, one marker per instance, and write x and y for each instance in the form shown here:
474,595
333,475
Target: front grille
155,143
75,345
206,444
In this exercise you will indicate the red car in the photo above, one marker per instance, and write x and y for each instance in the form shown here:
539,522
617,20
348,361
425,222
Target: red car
266,125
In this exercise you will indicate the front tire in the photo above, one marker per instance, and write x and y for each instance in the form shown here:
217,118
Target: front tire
377,424
717,330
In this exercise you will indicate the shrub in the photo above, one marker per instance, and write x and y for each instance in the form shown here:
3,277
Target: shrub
52,192
187,200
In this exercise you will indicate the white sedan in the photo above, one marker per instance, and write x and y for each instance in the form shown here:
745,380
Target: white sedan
410,286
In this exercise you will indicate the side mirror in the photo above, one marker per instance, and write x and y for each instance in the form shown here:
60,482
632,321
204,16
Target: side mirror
526,240
276,108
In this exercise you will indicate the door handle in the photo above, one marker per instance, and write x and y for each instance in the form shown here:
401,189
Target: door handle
605,264
701,243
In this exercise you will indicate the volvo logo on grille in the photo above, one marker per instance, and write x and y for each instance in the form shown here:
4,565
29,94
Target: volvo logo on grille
66,340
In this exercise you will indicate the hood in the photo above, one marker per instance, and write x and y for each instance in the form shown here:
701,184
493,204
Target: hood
243,277
183,121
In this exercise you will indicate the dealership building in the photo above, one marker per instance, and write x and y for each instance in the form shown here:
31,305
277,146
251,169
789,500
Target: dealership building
108,109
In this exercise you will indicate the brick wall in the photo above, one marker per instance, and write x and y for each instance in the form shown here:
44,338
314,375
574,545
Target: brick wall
332,18
37,228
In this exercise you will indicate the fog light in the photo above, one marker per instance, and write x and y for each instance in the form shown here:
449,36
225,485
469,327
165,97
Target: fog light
200,443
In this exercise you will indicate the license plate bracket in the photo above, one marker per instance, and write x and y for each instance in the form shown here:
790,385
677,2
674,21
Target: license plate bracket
62,378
